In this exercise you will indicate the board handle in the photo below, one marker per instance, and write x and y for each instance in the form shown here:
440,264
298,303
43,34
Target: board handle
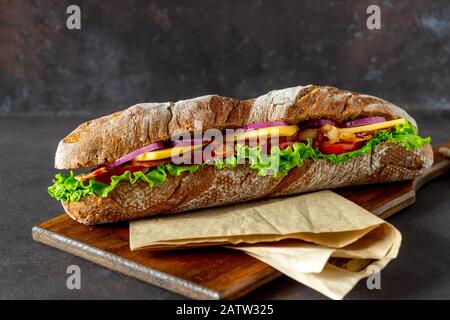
441,165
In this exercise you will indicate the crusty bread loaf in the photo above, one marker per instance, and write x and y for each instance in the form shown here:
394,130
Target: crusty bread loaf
106,139
103,140
210,187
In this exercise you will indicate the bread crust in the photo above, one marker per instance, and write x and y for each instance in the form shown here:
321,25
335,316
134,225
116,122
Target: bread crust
209,187
104,140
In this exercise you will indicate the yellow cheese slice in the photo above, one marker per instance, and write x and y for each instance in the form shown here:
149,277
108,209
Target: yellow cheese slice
374,126
281,131
165,153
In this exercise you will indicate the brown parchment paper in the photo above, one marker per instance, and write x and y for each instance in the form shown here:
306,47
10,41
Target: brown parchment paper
322,217
312,264
319,239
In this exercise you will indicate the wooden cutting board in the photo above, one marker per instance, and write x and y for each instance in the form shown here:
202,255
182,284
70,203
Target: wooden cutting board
211,273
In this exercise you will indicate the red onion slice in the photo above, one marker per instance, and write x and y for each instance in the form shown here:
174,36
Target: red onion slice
364,121
317,123
190,142
260,125
135,153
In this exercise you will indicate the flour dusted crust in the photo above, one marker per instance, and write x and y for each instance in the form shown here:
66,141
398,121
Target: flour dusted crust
103,140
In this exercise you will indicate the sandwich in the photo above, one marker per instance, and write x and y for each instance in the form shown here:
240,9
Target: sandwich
161,158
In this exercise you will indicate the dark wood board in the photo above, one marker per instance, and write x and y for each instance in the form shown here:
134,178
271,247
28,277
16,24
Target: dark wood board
210,273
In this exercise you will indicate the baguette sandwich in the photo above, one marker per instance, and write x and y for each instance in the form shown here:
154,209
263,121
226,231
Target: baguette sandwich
156,158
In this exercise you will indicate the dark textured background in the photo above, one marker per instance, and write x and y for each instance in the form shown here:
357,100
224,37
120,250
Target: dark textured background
130,51
133,51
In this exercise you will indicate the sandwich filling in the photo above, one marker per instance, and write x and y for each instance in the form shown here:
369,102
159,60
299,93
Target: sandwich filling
269,148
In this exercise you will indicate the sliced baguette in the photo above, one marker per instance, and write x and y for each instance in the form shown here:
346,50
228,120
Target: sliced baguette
210,187
104,140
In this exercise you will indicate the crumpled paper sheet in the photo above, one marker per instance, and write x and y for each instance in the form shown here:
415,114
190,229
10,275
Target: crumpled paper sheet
310,264
323,217
319,239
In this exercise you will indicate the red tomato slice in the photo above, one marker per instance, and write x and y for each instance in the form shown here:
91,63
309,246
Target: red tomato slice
339,148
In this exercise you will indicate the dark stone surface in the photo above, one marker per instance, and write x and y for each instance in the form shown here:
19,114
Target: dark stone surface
130,51
31,270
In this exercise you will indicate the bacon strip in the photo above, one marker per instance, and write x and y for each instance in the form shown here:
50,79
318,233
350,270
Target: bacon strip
88,176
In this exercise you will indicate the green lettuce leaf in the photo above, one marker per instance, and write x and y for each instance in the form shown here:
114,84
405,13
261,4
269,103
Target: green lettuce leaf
277,164
67,188
228,163
176,170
